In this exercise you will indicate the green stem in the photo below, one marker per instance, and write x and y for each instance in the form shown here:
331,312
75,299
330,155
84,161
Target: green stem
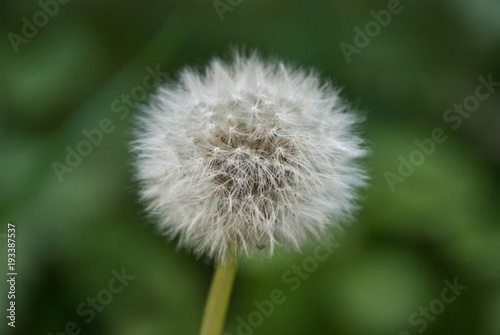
214,316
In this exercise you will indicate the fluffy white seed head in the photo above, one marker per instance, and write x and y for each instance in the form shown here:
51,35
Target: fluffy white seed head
248,155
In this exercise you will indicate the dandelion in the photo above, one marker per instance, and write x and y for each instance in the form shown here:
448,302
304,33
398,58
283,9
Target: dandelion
247,156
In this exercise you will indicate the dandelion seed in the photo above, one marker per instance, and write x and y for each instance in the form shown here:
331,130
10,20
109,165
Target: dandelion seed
244,197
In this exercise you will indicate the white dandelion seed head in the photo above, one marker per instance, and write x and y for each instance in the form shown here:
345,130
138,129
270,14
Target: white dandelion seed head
248,155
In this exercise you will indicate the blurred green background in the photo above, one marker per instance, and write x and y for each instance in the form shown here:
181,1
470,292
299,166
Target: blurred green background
75,231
